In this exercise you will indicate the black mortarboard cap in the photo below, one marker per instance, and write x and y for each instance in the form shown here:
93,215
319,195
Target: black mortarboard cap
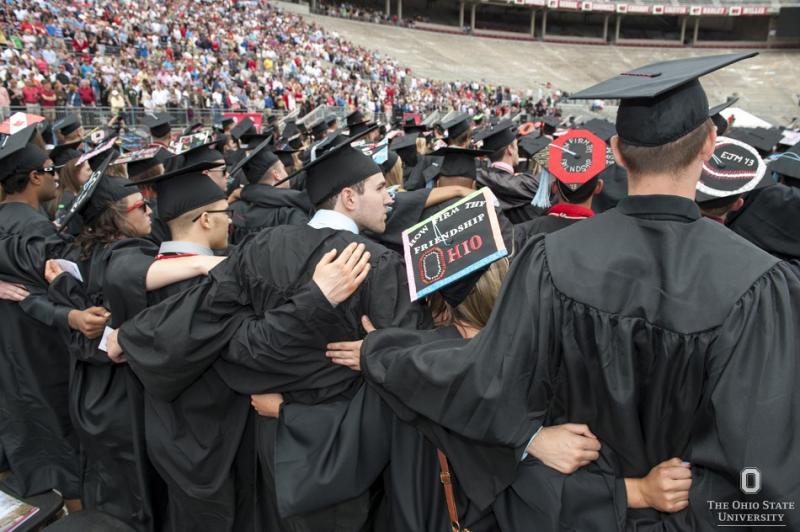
532,144
404,142
63,153
318,128
330,120
457,125
734,169
68,124
761,138
191,129
495,137
787,163
222,124
551,121
19,154
258,161
140,166
661,102
355,118
339,167
457,162
391,159
717,109
204,153
290,132
158,123
243,127
600,127
286,155
97,193
184,190
253,136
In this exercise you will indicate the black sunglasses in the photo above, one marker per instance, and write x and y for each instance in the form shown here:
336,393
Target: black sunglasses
229,212
47,170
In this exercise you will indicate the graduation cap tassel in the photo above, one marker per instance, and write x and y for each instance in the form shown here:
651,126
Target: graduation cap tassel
542,197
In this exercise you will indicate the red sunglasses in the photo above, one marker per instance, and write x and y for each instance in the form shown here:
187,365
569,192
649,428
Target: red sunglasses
141,204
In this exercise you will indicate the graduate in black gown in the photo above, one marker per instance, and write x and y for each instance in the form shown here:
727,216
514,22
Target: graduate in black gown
607,323
106,401
184,435
257,295
767,215
262,204
36,435
514,190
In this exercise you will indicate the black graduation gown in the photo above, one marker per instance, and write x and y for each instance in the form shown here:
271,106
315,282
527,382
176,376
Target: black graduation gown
615,187
238,178
544,224
193,442
769,218
106,400
336,450
414,175
259,311
608,323
36,435
513,191
261,206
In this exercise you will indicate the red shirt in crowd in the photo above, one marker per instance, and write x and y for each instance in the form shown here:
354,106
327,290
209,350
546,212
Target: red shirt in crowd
48,98
87,94
30,94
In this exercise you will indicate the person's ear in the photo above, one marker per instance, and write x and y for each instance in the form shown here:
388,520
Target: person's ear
34,178
709,144
348,198
617,154
738,204
598,188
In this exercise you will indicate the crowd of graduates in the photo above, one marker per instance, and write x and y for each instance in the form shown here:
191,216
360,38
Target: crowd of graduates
468,323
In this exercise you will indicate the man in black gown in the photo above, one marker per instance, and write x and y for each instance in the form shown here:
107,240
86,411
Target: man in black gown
653,326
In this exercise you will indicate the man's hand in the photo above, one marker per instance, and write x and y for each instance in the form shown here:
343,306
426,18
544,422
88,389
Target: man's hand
113,349
13,291
338,279
235,195
665,488
90,322
349,353
51,271
566,447
267,404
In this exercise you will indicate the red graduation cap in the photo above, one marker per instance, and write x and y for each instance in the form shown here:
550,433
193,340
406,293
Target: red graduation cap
577,157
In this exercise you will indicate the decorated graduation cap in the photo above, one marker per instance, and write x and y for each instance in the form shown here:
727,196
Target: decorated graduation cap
457,125
67,125
95,157
19,121
20,154
339,167
456,162
158,123
575,160
761,138
734,169
194,128
97,194
63,153
496,137
661,102
449,251
258,161
787,163
185,143
146,159
183,190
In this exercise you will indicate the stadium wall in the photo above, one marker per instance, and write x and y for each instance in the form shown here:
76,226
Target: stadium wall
581,21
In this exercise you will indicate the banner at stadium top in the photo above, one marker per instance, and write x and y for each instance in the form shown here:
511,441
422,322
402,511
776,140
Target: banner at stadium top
638,9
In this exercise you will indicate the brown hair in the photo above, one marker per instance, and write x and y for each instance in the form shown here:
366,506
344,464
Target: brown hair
670,158
476,308
67,182
330,202
109,227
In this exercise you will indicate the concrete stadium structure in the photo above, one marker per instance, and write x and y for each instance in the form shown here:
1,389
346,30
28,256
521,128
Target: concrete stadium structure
768,85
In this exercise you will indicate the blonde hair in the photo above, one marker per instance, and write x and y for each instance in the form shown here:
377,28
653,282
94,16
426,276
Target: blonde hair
394,177
476,308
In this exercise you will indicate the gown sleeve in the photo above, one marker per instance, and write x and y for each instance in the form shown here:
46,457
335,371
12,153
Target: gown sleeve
493,389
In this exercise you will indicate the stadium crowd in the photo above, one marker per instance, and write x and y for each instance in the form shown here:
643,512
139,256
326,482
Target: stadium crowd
223,56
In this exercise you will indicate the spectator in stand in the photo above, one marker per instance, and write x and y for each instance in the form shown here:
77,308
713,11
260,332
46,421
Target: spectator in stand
31,95
5,101
48,101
